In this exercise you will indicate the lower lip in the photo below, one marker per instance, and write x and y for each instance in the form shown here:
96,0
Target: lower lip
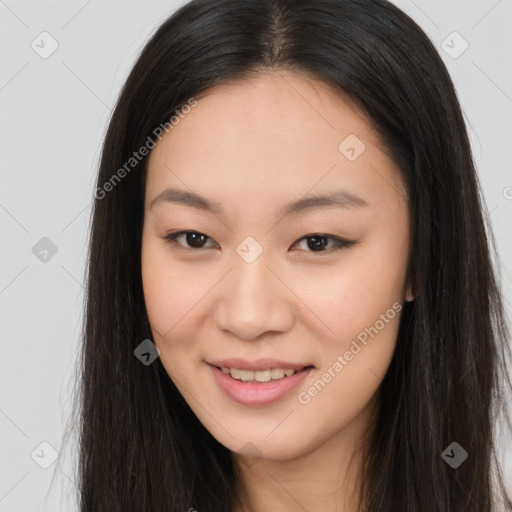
254,394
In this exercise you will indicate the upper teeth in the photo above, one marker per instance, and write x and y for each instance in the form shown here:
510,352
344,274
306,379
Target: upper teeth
260,375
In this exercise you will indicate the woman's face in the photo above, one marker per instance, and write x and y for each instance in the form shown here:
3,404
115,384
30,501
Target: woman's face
266,288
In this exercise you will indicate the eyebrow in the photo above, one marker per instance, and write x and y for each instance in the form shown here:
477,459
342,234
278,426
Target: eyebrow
334,199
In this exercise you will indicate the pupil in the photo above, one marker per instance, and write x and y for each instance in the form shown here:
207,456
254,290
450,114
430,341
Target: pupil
316,244
192,242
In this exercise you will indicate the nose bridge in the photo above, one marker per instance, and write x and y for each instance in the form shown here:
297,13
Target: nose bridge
253,300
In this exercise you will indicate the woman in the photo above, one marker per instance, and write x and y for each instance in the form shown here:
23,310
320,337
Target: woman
291,302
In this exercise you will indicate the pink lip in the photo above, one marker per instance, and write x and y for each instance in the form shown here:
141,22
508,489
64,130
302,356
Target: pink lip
254,394
259,364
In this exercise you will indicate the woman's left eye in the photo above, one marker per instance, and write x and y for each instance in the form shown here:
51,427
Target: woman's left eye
316,242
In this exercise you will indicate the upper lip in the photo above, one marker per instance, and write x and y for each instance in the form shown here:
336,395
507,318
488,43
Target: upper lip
258,364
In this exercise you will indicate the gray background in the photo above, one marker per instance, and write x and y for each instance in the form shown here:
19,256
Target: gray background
54,114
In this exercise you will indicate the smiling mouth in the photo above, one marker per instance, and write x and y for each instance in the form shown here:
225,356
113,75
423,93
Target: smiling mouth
261,376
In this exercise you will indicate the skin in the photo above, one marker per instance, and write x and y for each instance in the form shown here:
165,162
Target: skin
254,145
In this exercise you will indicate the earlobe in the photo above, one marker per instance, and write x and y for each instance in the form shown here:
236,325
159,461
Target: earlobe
409,296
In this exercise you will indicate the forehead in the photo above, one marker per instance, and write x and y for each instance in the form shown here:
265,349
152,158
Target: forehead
279,134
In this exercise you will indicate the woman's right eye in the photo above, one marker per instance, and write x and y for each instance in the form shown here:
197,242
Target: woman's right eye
193,238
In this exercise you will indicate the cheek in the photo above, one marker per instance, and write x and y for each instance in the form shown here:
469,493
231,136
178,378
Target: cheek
361,304
352,297
170,297
172,293
364,314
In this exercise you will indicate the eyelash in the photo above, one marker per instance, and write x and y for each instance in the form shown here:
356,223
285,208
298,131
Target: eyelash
340,243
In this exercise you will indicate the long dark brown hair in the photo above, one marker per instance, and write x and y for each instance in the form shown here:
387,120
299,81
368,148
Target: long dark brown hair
141,448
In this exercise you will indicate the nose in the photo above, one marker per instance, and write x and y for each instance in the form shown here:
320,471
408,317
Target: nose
254,300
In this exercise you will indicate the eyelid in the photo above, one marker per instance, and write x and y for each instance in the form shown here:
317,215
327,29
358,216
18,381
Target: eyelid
340,243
